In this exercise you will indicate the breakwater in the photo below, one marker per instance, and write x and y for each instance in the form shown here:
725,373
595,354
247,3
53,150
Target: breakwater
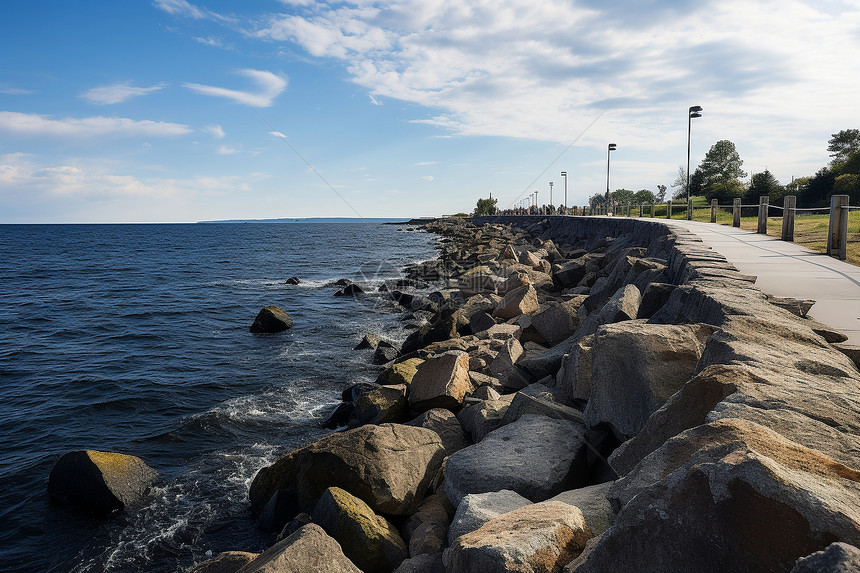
582,395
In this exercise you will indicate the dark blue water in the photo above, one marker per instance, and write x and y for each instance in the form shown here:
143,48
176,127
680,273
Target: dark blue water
134,338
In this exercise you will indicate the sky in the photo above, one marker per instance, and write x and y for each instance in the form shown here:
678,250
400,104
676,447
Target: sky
181,111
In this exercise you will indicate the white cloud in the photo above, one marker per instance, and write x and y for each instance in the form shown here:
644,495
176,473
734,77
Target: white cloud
117,93
269,87
427,178
226,150
83,181
30,124
16,91
215,131
770,71
425,163
188,10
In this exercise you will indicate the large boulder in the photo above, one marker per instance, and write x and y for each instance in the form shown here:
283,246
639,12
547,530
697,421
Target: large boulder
635,369
441,381
476,509
557,321
480,419
271,319
532,456
383,404
389,466
542,537
574,376
444,423
730,495
522,300
367,539
593,503
310,550
101,482
400,373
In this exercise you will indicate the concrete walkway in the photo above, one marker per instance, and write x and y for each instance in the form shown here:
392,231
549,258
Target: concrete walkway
789,270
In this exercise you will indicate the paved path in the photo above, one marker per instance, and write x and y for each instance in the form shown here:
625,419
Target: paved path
789,270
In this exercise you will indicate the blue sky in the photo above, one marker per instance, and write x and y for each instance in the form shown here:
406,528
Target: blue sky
171,110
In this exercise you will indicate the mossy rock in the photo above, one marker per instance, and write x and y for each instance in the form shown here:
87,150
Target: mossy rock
400,373
369,540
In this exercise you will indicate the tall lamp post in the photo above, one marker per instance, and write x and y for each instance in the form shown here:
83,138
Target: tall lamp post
694,111
564,175
550,193
609,148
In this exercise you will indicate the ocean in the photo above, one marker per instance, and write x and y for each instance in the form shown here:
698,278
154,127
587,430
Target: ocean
134,339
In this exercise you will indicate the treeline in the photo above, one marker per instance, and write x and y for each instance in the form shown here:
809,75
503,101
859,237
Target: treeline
719,176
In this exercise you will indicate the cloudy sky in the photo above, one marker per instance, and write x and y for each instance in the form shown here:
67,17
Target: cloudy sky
175,110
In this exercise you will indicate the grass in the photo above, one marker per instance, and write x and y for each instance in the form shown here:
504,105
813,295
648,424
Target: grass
809,230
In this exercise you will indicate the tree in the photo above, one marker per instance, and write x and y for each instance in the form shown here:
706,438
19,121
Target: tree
622,196
817,189
485,207
660,196
764,183
597,200
721,171
681,183
843,144
644,196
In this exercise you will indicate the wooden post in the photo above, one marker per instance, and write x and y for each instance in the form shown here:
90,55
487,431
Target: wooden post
789,205
653,208
668,209
762,214
689,209
736,212
713,210
837,235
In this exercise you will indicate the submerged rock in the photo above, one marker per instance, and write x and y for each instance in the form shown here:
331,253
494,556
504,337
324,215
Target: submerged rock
101,482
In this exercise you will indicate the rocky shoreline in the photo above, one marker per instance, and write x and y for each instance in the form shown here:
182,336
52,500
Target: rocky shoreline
579,395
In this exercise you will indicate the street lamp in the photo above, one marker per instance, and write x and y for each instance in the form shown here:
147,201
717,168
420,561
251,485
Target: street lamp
564,175
609,148
550,193
694,111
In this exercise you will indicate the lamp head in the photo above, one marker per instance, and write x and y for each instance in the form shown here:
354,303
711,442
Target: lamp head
612,147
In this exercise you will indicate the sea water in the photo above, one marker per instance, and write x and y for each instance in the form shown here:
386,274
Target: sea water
134,339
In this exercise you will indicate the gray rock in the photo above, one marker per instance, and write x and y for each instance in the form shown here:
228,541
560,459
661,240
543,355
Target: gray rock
594,505
225,562
710,499
426,563
535,538
636,367
837,558
531,456
574,376
522,300
310,549
480,419
444,423
390,467
524,403
441,381
476,509
557,321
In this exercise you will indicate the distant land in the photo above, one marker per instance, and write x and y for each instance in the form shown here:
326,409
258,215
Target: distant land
317,220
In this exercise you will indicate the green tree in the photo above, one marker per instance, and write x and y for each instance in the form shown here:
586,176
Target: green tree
764,183
848,184
815,191
660,196
622,196
843,144
644,196
485,207
597,200
721,171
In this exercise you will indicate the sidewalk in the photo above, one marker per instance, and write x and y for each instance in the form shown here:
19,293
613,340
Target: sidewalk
789,270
